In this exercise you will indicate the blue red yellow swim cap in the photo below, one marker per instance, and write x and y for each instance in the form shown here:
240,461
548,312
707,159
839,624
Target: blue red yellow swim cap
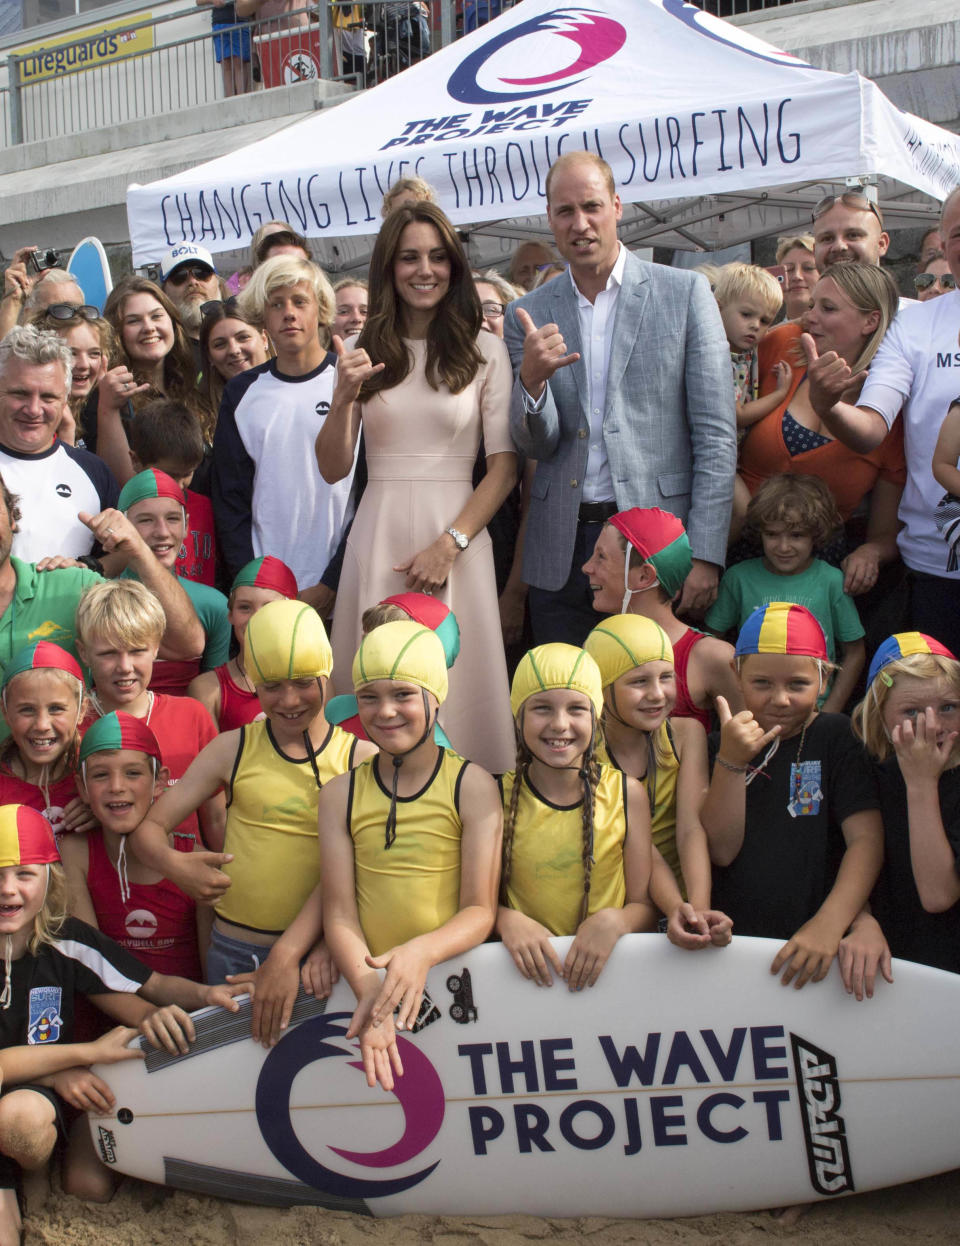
904,645
782,627
149,484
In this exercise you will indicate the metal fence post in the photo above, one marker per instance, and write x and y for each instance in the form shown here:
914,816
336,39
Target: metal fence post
446,22
16,102
326,39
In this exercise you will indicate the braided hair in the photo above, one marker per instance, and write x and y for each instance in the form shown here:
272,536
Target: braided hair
589,772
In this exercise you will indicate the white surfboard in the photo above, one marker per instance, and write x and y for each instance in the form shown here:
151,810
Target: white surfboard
683,1083
91,268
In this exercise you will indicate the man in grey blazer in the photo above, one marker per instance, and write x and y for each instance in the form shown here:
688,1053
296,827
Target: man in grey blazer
623,395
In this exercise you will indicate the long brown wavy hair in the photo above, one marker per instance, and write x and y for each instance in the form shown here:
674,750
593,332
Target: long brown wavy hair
453,356
179,368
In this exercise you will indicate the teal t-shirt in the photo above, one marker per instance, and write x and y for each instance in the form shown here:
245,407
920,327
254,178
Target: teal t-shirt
749,585
211,607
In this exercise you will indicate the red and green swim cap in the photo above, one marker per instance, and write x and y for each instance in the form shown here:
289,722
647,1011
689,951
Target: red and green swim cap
42,655
149,484
429,612
116,731
661,539
267,572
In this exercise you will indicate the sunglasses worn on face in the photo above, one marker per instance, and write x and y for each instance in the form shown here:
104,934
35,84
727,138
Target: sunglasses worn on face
850,199
493,310
183,274
67,311
923,281
217,307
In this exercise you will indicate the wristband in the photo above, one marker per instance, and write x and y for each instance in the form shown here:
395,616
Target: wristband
730,766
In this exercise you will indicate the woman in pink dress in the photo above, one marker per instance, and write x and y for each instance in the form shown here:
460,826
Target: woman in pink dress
424,381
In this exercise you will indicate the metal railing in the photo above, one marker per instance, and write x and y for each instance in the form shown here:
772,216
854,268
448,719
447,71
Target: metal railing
734,8
152,67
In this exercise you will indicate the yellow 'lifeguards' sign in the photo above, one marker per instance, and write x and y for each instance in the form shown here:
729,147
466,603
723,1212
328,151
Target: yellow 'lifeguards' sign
83,49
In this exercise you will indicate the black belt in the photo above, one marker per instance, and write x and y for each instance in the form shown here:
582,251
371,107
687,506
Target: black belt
596,512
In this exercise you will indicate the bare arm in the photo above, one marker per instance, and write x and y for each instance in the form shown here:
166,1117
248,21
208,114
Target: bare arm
922,760
724,810
947,452
74,853
693,782
831,383
854,654
196,873
749,413
337,440
862,565
205,687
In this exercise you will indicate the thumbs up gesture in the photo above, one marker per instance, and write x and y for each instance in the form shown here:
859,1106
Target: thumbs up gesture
544,352
830,377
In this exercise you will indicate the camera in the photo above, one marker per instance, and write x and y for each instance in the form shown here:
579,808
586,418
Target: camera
44,258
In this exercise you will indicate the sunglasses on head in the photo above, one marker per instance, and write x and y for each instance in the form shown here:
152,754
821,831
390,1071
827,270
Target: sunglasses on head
923,281
67,311
180,276
850,199
218,307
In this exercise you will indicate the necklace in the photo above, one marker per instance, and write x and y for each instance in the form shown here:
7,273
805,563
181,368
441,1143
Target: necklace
95,702
247,681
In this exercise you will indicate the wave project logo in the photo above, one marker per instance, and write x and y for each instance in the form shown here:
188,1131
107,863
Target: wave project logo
419,1093
596,37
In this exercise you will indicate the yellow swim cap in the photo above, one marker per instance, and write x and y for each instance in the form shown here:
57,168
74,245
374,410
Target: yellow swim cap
286,640
405,651
625,641
556,666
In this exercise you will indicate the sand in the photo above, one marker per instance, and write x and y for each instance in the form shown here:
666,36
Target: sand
145,1215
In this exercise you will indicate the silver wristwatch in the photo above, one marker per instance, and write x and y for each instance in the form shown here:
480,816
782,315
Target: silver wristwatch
459,539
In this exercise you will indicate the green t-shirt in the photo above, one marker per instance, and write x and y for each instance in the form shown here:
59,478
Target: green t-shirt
749,585
43,608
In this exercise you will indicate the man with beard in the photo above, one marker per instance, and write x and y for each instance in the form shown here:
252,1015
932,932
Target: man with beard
189,279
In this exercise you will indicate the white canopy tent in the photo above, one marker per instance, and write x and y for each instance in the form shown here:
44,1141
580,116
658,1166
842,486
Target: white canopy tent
714,138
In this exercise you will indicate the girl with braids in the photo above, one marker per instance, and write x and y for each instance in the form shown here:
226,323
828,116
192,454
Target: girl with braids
410,843
668,755
576,841
425,381
268,911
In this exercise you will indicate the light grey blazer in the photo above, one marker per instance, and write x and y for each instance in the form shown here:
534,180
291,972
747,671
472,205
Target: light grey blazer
669,425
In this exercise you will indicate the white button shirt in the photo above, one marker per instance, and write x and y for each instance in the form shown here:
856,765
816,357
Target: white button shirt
596,342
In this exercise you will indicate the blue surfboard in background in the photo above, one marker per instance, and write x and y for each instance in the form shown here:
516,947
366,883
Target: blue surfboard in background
89,265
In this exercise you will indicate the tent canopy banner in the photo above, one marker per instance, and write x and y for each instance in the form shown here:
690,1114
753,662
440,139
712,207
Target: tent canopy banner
681,105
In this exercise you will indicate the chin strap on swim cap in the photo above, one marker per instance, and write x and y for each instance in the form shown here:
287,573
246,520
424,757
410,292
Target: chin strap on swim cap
6,995
390,831
627,590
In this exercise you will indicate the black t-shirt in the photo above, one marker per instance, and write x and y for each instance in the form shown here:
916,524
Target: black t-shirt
81,960
789,861
913,933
